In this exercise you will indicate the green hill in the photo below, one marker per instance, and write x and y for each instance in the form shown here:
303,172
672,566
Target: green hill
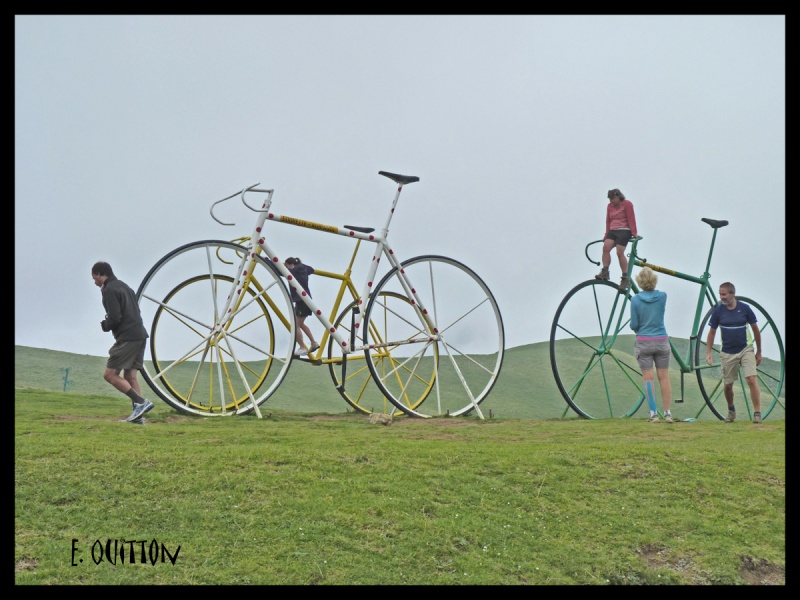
525,389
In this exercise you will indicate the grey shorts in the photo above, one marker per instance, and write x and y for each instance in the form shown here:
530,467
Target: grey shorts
127,355
621,237
746,359
648,352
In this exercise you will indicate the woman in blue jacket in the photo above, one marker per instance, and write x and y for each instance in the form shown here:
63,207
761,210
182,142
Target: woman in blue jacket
652,341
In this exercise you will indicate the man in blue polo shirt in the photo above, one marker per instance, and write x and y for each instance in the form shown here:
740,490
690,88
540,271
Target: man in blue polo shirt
733,317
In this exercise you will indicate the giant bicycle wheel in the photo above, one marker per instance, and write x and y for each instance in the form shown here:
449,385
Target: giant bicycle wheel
769,374
450,357
359,389
591,352
203,359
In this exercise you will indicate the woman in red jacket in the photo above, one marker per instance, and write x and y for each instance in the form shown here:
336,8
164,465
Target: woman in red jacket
620,228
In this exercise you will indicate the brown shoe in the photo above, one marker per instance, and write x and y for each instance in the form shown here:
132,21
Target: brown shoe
603,274
731,416
624,283
757,417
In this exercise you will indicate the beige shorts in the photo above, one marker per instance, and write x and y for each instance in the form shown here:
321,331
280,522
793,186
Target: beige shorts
746,359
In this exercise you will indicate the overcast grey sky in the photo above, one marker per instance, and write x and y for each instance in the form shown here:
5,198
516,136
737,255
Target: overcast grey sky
129,127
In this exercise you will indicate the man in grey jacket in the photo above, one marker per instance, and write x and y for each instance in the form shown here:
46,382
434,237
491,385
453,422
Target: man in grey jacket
124,321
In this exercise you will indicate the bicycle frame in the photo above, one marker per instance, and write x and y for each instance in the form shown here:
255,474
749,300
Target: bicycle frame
257,243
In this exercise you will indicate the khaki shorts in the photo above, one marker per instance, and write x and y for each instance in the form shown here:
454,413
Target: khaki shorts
746,359
648,352
127,355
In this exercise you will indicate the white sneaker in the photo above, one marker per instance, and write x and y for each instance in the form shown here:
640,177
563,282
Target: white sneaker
300,352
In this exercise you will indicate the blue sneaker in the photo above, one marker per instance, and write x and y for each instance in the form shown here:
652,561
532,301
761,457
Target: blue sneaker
139,410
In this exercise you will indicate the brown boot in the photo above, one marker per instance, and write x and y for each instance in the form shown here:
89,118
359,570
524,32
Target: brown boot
603,274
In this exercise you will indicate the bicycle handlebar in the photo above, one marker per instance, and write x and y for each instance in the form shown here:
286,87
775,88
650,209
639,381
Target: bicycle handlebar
586,252
243,191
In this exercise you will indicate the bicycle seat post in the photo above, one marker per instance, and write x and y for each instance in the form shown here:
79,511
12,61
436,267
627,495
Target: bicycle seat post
400,180
707,273
385,230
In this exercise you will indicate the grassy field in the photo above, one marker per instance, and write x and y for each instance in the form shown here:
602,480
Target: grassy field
312,494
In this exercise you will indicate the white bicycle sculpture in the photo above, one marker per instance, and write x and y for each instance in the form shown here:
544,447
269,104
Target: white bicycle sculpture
425,340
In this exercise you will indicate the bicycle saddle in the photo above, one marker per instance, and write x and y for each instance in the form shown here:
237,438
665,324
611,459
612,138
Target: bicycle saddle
714,223
401,179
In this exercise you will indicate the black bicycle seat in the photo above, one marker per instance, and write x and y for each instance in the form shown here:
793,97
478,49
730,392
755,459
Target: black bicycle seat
714,222
401,179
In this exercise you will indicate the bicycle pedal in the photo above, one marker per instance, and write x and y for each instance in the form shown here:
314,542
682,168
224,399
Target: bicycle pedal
314,361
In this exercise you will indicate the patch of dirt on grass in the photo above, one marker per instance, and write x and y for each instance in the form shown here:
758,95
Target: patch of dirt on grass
752,571
758,571
25,564
656,558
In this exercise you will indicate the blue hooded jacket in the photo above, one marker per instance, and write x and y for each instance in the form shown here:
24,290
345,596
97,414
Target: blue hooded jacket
647,314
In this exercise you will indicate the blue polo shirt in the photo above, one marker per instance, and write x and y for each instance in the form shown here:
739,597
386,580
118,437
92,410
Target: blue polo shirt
732,325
